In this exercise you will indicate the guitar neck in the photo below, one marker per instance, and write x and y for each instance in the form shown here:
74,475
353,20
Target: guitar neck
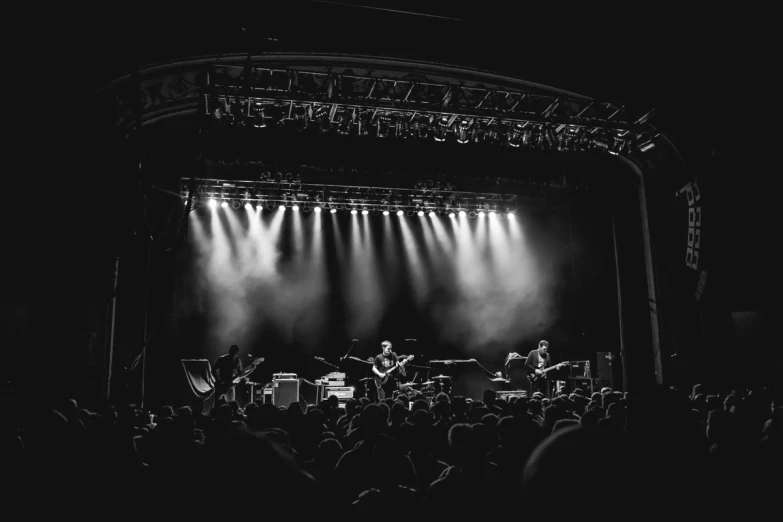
555,367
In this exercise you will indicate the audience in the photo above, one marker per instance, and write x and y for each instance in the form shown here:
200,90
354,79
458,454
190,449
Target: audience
609,453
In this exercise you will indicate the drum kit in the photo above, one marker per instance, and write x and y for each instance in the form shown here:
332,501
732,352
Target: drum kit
429,388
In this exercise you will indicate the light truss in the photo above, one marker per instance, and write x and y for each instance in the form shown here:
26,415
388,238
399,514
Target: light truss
272,193
417,107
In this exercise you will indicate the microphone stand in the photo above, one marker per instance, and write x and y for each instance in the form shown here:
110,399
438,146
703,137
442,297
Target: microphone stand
344,357
327,363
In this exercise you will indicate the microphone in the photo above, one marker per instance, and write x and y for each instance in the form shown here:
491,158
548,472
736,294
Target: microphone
318,358
410,340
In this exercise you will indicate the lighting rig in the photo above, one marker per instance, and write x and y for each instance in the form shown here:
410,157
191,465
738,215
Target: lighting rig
273,194
415,107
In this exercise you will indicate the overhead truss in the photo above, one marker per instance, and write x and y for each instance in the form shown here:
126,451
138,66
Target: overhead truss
272,192
414,106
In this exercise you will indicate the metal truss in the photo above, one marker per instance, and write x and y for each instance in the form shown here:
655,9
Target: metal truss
414,106
271,192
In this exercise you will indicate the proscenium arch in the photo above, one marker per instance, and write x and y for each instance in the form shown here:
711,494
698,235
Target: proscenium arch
172,90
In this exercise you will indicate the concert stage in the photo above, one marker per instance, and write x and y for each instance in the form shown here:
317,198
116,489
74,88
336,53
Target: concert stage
460,215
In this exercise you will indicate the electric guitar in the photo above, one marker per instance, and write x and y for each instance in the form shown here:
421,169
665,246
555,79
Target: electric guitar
534,376
223,386
401,362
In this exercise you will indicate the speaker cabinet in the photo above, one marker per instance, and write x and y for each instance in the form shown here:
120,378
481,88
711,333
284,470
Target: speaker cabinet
605,364
285,392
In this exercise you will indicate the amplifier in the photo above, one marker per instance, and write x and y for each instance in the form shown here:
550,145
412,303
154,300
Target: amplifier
342,393
514,393
334,383
285,392
263,394
283,376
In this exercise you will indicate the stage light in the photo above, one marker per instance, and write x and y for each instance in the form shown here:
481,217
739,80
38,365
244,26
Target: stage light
235,204
472,214
462,212
344,127
248,205
259,120
481,213
400,213
510,215
365,212
354,211
432,213
212,203
270,206
333,211
442,128
317,210
281,208
421,213
451,214
464,126
385,212
224,204
295,207
491,213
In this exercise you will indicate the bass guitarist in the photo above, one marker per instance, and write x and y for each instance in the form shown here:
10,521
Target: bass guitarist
384,366
537,361
226,367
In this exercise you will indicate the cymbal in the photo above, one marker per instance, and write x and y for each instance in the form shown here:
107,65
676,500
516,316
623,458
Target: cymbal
428,383
441,377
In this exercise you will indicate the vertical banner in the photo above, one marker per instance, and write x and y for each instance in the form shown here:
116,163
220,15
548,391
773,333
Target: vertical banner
693,248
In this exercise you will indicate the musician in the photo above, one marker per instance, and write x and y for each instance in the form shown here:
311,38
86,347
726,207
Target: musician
383,363
537,361
226,367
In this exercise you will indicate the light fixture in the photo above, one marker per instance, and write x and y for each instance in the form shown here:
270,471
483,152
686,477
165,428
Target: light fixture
365,212
385,212
354,211
224,204
491,213
317,210
333,211
281,207
432,213
451,214
471,214
212,203
462,137
462,212
481,213
421,213
295,207
400,213
510,215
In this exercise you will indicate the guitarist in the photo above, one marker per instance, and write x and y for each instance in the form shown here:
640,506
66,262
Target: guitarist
537,361
385,362
226,367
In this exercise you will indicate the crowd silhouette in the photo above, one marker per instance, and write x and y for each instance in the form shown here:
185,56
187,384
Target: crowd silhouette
603,455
